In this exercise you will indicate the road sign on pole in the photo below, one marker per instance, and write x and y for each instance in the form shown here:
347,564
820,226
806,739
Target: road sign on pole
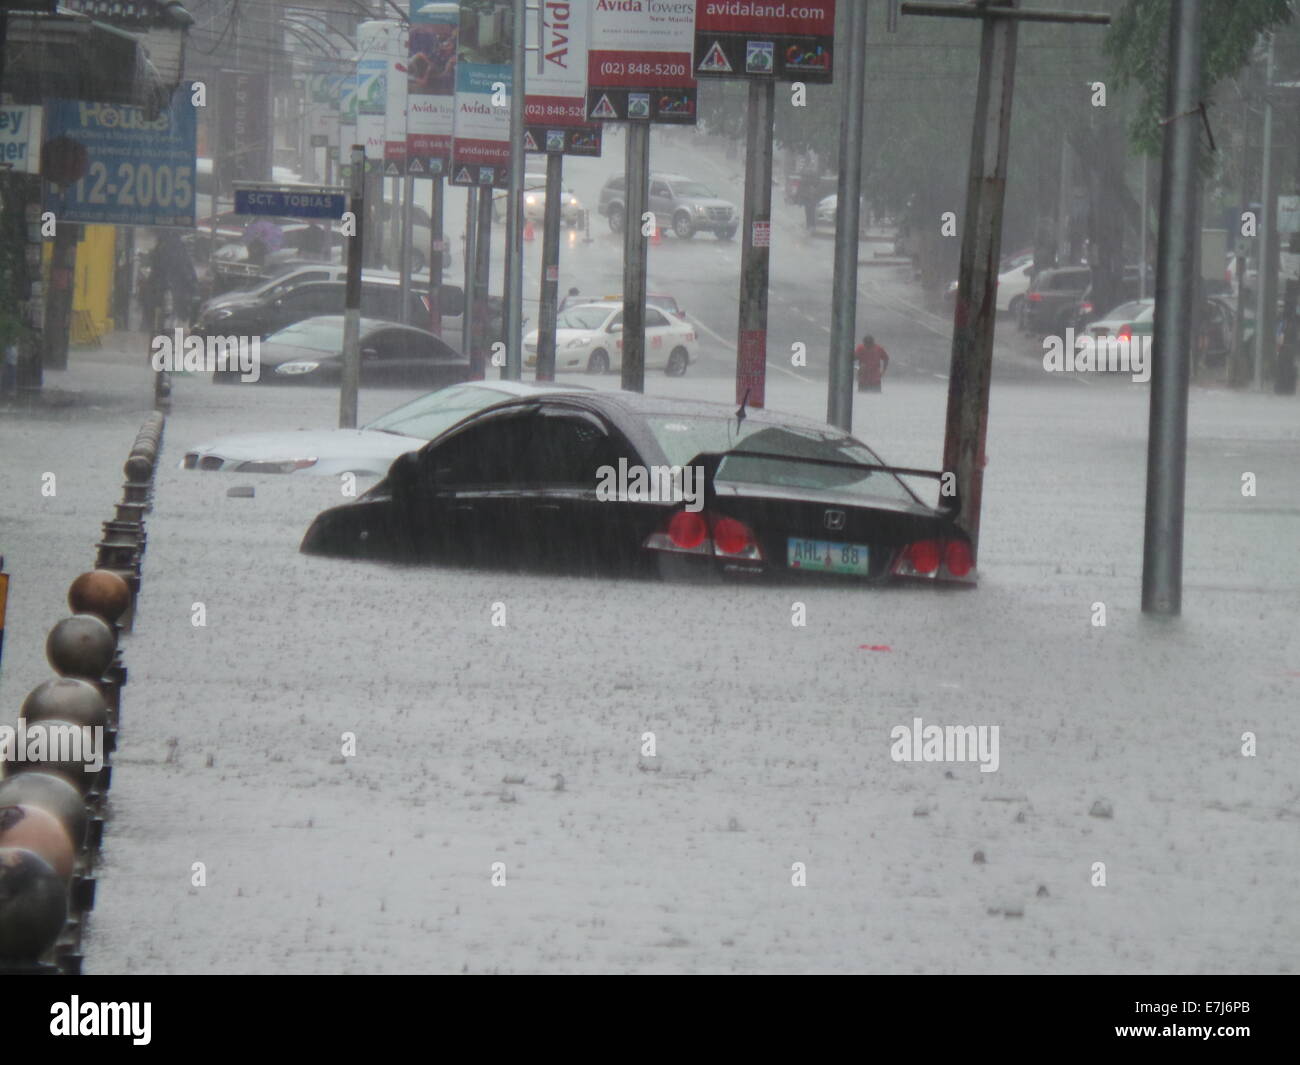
289,201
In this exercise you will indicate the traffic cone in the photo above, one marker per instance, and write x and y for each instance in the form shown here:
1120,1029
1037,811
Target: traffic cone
528,230
656,238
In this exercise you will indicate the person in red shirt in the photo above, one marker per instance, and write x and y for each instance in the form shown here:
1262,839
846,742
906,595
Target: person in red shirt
873,360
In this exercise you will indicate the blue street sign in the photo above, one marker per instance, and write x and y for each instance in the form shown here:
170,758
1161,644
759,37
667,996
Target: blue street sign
290,203
141,169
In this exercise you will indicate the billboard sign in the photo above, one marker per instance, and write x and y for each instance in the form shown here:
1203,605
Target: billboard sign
639,61
20,138
431,86
555,104
782,41
375,44
480,146
140,170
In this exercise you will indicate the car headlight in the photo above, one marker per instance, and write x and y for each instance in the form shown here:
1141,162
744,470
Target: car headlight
297,367
269,466
578,342
530,200
699,208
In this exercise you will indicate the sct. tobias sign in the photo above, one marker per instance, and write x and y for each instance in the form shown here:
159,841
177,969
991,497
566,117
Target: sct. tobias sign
782,41
289,202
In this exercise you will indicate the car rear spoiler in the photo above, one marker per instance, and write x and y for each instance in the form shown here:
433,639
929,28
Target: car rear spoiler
710,461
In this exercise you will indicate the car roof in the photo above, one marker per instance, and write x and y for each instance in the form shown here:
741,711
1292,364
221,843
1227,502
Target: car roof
367,324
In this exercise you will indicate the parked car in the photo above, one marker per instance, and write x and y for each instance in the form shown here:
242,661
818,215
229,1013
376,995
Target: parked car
1128,288
588,337
652,299
534,193
679,203
773,495
311,351
1213,325
1052,297
365,451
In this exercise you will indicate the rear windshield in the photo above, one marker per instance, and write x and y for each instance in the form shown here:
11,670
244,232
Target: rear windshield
682,438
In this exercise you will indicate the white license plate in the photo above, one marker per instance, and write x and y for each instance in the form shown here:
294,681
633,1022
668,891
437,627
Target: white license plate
823,556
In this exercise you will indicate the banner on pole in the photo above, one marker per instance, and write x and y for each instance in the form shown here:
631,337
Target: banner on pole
753,39
431,86
480,146
639,61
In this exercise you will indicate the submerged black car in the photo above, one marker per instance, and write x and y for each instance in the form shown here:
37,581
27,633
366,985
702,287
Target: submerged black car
601,482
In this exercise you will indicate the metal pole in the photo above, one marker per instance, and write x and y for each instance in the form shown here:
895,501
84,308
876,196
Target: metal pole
547,312
844,302
977,275
404,268
468,314
513,287
1239,368
1142,253
393,238
751,354
436,246
1177,272
352,295
482,283
635,255
1266,286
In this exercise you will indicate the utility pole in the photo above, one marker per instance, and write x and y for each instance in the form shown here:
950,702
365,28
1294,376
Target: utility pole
981,242
1142,251
547,312
1266,286
635,254
436,247
352,295
513,287
1177,273
848,196
469,298
755,251
482,283
404,270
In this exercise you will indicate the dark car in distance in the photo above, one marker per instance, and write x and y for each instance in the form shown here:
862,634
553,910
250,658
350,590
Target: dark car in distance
519,485
311,352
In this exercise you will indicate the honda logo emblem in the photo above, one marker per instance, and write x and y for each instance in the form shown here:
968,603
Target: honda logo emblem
834,520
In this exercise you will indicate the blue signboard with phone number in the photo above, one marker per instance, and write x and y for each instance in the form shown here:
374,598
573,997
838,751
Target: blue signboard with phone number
141,169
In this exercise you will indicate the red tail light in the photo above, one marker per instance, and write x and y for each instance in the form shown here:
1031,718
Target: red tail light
1125,332
936,559
1086,309
732,537
694,533
687,530
1034,297
957,559
924,556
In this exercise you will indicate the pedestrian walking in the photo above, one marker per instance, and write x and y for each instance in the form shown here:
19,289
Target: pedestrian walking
873,361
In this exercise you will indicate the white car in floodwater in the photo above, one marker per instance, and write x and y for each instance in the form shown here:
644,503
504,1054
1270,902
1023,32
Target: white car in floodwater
367,451
589,337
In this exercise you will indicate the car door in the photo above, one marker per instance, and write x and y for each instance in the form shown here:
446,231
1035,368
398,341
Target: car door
381,301
661,202
304,301
611,339
658,339
384,358
474,478
562,522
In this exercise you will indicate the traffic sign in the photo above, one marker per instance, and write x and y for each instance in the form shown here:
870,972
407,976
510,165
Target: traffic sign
288,201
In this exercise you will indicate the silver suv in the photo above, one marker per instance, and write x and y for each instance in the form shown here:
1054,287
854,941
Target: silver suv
679,203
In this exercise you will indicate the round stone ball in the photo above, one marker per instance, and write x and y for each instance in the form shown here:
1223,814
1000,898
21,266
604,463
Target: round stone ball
66,699
99,592
33,905
53,793
40,832
81,646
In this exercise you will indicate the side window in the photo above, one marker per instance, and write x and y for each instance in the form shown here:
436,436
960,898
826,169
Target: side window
380,301
451,300
567,450
489,454
314,299
617,320
654,318
658,188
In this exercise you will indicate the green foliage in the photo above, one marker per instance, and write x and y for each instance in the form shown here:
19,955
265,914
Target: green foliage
1137,45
